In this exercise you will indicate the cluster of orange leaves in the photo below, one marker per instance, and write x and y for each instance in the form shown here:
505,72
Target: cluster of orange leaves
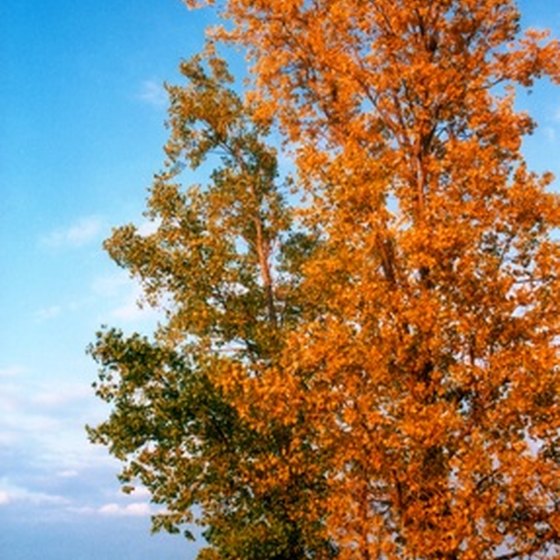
431,377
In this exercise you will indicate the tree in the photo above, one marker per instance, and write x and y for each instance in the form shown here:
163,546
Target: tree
209,263
435,359
415,370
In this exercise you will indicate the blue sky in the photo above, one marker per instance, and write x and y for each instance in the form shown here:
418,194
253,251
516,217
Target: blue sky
81,134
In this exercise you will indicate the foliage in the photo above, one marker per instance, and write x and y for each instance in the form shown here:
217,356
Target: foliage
210,262
390,372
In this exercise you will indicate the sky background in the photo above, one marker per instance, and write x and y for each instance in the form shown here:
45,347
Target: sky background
82,114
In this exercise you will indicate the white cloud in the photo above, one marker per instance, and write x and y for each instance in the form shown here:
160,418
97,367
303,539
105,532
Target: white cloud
47,313
131,310
43,424
125,297
82,232
8,438
550,133
63,396
137,509
10,401
67,473
12,371
153,93
110,285
81,510
12,494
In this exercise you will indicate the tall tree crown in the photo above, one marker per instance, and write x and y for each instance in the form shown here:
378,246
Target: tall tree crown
385,359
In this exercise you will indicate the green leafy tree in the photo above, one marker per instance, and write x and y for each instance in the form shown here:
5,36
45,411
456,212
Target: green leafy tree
222,262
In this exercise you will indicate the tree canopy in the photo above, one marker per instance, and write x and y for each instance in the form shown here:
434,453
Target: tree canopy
367,367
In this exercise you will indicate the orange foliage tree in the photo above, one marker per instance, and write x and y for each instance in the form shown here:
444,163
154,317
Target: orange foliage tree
419,377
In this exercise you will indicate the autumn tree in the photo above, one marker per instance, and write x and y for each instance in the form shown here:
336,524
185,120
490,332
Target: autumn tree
219,264
431,372
386,354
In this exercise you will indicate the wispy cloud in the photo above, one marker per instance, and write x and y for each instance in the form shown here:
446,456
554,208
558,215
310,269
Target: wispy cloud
67,473
110,285
550,133
62,396
12,371
132,309
78,234
136,509
46,313
11,494
126,297
153,93
42,425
